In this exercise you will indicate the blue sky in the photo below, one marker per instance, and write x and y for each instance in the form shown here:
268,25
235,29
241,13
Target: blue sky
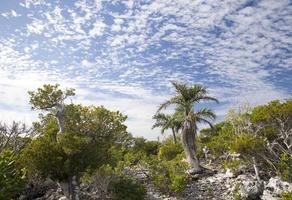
123,53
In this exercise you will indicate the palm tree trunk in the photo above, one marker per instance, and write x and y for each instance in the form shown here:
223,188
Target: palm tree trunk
188,142
173,135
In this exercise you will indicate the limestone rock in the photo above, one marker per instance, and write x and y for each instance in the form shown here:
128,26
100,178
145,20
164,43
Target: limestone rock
275,187
250,188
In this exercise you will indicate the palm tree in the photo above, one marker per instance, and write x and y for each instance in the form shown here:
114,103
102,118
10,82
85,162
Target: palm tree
185,99
165,121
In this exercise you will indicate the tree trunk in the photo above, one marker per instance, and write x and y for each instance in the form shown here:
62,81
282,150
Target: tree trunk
59,115
73,188
188,142
173,135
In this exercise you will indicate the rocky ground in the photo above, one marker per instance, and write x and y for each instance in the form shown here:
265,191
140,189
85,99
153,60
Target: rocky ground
223,185
227,186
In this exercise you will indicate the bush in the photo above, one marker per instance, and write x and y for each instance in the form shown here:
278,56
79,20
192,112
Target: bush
126,188
133,158
286,196
98,181
218,143
232,164
248,144
169,150
149,147
169,176
12,179
178,182
285,167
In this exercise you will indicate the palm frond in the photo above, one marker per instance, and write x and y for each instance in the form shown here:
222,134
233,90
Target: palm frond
204,98
206,121
176,100
206,113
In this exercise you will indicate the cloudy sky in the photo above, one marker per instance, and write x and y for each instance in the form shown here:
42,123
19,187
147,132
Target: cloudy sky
123,53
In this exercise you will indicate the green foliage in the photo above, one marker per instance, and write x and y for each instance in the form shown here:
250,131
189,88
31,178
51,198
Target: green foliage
168,176
12,179
286,196
248,144
261,132
149,147
133,158
269,116
271,111
90,133
217,140
178,182
137,153
167,170
126,188
285,167
236,195
232,164
48,96
43,157
169,150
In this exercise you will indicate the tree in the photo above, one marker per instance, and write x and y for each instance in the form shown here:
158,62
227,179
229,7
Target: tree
172,122
185,99
88,133
15,136
51,99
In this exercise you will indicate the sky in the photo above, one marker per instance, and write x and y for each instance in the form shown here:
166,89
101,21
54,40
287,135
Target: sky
123,54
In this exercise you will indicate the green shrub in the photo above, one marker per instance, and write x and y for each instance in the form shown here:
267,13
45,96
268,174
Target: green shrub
248,144
133,158
142,145
12,179
168,176
231,164
236,195
126,188
218,143
285,167
169,150
286,196
178,182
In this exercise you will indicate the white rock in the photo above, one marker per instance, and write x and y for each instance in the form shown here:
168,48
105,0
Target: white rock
229,173
250,187
275,187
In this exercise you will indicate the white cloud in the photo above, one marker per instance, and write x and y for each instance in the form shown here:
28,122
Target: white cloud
10,14
98,28
36,27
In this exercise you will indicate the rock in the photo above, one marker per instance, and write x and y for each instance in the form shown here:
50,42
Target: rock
229,173
275,187
250,188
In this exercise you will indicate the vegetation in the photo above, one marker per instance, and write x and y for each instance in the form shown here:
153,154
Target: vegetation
73,144
286,196
263,133
126,188
12,178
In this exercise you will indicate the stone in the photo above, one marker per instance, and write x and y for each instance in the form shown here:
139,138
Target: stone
250,188
229,173
275,187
